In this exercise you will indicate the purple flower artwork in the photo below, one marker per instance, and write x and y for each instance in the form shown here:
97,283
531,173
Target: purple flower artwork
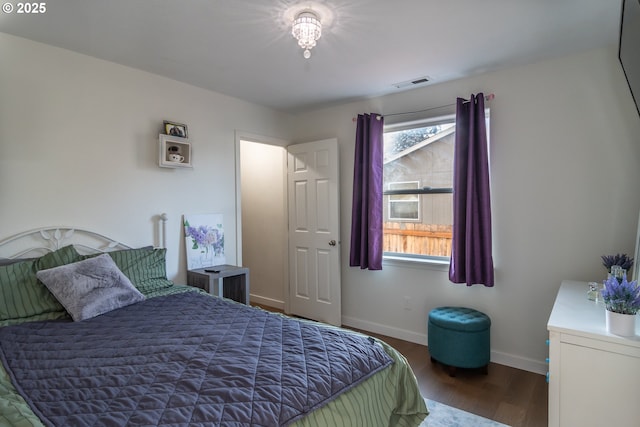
204,240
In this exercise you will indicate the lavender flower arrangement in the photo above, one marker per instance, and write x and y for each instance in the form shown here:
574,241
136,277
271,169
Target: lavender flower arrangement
621,297
622,260
205,237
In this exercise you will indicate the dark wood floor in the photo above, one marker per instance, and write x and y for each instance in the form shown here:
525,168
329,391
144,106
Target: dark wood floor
507,395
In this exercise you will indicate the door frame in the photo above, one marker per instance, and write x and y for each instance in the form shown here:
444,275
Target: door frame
260,139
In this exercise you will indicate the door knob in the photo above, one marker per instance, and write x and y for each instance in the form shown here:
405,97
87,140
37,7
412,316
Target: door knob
332,242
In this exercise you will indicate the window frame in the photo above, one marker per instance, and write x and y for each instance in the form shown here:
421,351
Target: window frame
429,261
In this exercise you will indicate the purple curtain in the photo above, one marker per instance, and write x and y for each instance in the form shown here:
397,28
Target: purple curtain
366,214
471,257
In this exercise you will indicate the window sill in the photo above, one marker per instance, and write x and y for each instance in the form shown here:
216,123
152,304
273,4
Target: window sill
430,264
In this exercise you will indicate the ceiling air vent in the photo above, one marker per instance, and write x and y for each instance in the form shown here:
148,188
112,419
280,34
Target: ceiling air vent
414,82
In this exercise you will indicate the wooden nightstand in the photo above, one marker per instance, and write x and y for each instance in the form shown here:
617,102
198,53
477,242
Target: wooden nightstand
228,281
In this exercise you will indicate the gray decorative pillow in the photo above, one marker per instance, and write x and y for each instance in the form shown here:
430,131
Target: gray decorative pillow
91,287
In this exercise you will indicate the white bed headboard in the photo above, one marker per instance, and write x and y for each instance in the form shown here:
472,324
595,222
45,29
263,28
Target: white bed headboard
40,241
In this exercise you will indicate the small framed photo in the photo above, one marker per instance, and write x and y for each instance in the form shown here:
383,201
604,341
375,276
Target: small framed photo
176,129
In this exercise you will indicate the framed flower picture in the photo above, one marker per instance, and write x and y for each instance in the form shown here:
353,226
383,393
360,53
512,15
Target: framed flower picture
204,240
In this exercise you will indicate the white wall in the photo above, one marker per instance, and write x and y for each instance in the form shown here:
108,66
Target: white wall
79,141
565,148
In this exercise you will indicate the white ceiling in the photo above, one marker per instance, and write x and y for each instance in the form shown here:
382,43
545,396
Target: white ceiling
244,48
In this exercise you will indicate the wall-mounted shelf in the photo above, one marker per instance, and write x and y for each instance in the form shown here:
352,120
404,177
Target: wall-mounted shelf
175,152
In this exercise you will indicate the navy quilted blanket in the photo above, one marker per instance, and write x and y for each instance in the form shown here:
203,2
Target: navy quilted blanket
186,359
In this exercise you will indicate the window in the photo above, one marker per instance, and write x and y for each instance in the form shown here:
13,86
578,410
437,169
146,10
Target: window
404,207
418,188
418,195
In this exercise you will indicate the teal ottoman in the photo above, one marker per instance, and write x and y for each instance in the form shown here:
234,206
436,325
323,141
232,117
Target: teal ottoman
459,337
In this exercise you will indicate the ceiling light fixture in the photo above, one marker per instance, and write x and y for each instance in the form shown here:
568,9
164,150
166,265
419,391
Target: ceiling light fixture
307,29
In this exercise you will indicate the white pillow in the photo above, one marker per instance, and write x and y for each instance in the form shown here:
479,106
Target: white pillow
91,287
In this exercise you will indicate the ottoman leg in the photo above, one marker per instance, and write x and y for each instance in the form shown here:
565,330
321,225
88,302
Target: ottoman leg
485,369
452,371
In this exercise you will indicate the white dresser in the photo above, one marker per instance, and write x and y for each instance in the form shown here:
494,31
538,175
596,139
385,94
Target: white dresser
594,377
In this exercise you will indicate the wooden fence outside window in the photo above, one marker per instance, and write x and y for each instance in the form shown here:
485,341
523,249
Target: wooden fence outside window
416,238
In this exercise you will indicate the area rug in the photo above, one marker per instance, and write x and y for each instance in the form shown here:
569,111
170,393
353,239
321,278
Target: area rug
441,415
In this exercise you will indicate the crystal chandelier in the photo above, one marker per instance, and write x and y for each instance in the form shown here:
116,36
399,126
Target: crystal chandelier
307,29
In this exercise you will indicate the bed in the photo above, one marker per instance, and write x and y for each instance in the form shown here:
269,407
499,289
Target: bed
92,333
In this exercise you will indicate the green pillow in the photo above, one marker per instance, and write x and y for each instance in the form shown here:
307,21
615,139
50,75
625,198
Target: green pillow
145,267
22,294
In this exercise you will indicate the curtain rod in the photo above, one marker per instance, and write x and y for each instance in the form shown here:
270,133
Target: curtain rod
488,97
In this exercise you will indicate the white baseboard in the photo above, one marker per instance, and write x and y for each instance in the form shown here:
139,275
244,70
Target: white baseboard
519,362
269,302
385,330
500,358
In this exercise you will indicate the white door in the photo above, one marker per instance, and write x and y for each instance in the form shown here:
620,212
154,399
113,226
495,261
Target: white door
314,228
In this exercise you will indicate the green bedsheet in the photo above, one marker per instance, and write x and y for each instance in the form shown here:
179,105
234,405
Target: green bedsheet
389,398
